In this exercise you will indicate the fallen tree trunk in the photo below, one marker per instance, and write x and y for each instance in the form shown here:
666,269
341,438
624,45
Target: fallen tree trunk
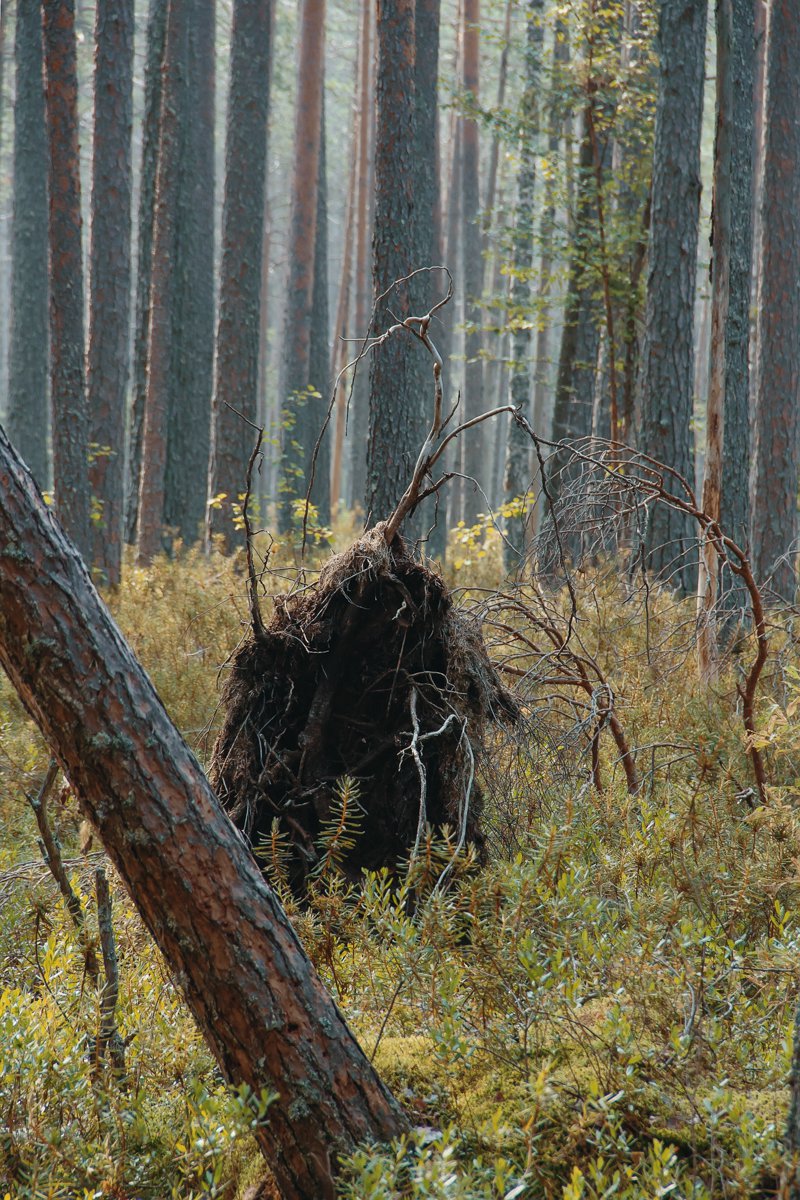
256,997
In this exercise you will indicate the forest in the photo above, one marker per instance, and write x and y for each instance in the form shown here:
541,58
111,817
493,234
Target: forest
400,697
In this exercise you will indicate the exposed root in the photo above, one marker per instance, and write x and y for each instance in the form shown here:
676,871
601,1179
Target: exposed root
372,674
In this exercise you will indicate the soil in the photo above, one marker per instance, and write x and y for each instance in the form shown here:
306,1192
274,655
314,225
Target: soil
371,674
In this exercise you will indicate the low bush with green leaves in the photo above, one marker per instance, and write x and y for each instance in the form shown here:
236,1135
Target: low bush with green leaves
604,1009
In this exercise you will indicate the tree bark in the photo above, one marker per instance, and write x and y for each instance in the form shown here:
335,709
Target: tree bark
727,456
359,408
319,353
28,415
431,285
236,372
580,336
397,410
156,33
339,354
542,387
67,377
776,429
257,999
517,470
297,406
192,347
476,467
666,374
110,271
162,291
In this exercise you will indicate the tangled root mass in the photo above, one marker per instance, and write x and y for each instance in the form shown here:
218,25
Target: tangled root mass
346,678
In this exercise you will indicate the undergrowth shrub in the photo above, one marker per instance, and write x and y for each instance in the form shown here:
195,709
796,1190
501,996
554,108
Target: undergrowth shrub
606,1009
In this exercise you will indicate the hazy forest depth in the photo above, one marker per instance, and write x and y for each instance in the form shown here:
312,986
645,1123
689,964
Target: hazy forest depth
400,705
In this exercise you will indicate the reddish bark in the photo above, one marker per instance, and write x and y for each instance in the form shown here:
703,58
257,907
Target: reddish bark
256,997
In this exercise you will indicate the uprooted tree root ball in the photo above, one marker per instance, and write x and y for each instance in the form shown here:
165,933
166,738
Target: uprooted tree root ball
371,674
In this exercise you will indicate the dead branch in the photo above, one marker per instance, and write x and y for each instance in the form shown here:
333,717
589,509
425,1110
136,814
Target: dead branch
109,1040
51,853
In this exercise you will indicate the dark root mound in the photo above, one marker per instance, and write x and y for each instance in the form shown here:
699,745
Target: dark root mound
370,674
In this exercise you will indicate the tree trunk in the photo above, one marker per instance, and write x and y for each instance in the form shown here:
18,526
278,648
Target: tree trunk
359,410
666,375
776,428
156,33
339,348
476,467
110,271
494,148
261,1007
191,373
28,416
430,286
727,457
236,372
297,406
542,385
450,333
162,292
397,410
319,353
67,378
580,336
359,406
517,472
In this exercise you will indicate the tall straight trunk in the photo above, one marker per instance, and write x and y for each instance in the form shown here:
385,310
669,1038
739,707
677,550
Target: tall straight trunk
162,291
110,277
4,10
759,83
67,378
256,997
398,412
517,472
727,457
319,351
547,229
298,406
156,33
474,450
27,418
580,336
358,423
191,373
5,204
430,286
339,355
667,367
236,373
494,148
776,430
450,501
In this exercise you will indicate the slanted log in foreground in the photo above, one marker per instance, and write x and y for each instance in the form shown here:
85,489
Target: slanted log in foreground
255,995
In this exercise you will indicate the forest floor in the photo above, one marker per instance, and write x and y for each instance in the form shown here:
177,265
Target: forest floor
605,1008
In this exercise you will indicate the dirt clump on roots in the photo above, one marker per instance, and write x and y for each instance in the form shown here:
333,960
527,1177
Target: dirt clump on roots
372,674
